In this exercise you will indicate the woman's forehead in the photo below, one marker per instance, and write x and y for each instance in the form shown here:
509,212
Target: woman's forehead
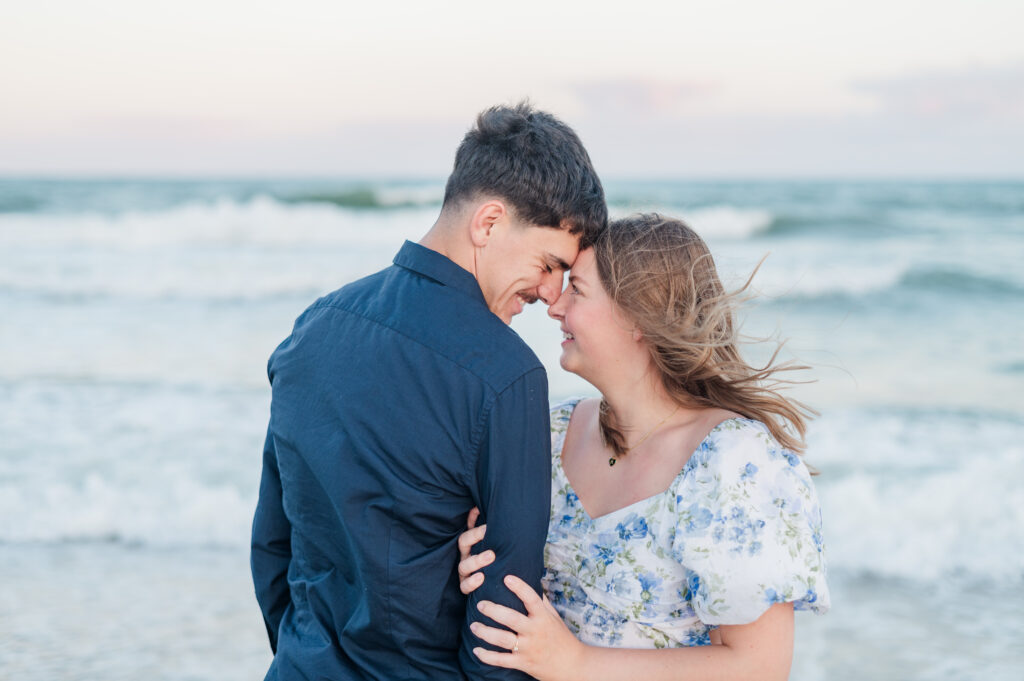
585,264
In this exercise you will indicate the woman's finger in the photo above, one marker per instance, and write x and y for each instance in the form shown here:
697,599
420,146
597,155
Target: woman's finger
496,637
513,619
474,514
468,566
471,583
468,538
550,608
525,592
507,660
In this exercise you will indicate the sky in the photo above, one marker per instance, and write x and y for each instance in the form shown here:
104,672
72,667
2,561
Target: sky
655,89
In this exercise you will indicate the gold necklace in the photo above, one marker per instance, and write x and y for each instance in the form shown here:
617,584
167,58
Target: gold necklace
615,457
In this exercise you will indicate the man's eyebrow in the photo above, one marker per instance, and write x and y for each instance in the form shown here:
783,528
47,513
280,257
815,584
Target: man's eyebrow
558,262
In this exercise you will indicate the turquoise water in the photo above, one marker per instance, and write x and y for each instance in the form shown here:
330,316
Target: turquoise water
138,316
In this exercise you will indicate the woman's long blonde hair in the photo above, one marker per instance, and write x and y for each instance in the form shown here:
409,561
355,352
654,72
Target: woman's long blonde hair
660,273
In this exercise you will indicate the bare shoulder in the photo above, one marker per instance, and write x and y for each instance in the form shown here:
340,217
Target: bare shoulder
587,409
584,417
714,417
583,424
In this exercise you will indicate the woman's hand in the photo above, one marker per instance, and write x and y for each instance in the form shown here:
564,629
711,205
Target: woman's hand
470,577
540,644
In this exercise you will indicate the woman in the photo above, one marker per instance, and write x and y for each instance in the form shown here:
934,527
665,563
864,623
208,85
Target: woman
681,515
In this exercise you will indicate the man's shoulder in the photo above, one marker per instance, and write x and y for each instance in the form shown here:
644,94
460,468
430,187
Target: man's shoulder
410,308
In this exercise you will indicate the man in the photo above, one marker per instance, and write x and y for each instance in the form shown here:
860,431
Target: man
403,400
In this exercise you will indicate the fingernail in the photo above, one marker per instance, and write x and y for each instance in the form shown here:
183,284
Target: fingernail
474,627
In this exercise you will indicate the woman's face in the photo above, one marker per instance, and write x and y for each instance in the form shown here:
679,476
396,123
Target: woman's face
599,339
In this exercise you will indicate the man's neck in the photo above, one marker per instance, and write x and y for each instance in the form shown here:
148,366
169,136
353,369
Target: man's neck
450,242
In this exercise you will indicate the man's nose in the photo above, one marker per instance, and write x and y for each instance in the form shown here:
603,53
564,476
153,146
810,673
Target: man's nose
550,287
556,309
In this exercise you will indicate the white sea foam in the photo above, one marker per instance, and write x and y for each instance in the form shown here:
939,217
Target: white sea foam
922,496
168,511
219,251
728,222
261,221
712,222
834,278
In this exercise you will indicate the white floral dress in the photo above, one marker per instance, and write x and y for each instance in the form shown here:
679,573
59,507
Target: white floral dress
738,530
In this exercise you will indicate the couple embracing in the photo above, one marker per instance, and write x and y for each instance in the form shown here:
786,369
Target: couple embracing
666,530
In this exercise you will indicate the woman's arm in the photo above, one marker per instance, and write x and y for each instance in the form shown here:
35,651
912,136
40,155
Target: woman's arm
546,649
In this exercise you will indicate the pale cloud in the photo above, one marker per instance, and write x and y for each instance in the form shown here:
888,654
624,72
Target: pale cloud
639,98
793,87
979,93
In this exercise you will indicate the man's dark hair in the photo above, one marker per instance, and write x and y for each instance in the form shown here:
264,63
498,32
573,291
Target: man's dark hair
537,164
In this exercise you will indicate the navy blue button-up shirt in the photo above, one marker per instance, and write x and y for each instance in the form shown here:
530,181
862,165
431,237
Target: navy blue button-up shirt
399,402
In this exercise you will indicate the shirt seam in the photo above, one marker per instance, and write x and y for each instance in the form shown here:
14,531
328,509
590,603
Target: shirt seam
491,385
485,414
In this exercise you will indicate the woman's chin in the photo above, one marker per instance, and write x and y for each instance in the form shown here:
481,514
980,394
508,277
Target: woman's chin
569,365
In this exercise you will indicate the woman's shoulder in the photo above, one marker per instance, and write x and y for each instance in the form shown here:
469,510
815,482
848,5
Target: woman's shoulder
741,446
749,527
562,411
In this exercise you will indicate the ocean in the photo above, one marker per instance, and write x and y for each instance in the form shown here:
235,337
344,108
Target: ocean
136,318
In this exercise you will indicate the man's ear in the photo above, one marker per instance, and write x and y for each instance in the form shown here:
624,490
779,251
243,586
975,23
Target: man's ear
484,218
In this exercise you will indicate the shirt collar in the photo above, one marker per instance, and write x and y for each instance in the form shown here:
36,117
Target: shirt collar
430,263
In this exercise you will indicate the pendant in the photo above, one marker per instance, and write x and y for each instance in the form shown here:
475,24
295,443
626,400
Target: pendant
611,461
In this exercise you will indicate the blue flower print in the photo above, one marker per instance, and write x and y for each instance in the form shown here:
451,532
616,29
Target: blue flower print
697,638
605,555
738,530
619,584
633,527
648,585
693,584
698,518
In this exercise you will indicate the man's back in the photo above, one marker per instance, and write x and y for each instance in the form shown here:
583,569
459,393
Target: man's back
399,403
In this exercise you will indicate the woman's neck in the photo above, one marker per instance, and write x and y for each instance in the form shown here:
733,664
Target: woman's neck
638,403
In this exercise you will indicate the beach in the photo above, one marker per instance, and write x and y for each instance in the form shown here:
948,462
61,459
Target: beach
138,317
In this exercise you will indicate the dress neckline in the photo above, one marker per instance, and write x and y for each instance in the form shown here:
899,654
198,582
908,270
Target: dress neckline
686,468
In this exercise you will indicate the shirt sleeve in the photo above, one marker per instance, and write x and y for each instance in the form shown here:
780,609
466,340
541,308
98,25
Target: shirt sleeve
514,484
271,546
749,530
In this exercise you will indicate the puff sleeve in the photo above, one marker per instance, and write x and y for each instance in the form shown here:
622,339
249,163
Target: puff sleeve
749,528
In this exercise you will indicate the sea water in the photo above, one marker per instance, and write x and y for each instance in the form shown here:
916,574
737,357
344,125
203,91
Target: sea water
136,318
